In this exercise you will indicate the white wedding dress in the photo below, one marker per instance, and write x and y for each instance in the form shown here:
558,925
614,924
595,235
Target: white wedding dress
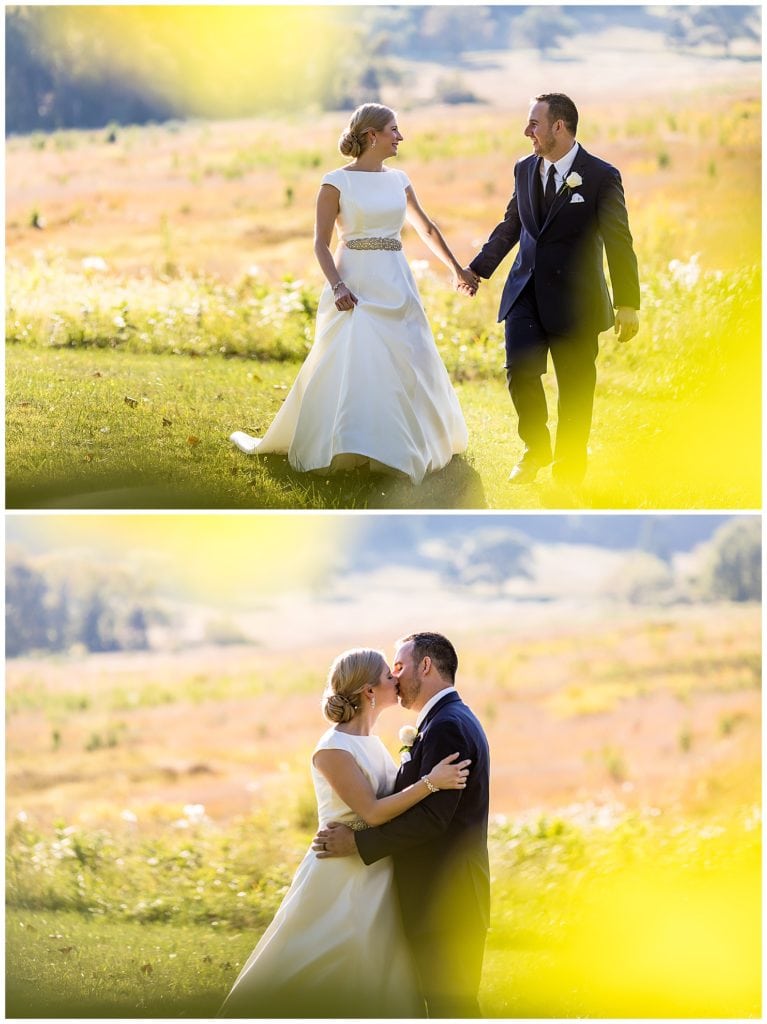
373,390
336,947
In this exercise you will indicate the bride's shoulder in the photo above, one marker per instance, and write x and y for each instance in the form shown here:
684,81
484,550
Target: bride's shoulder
334,177
332,739
402,176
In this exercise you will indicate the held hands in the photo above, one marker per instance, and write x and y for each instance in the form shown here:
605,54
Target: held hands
626,323
446,775
344,299
466,281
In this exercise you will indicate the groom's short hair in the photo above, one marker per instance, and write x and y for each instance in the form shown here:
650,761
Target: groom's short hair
439,649
561,108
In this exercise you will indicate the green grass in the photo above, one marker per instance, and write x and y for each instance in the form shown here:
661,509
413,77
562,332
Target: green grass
74,440
591,916
130,403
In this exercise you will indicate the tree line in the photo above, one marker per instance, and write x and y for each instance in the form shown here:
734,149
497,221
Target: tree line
55,605
59,73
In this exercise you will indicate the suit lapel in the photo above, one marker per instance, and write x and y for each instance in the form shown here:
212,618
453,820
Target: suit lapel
563,196
450,698
406,773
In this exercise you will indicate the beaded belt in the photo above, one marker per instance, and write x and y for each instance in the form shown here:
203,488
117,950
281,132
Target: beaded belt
374,243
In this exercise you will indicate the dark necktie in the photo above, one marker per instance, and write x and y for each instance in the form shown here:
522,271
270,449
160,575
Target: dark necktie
550,191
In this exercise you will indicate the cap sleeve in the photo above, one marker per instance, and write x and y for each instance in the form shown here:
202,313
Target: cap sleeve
333,740
334,178
405,179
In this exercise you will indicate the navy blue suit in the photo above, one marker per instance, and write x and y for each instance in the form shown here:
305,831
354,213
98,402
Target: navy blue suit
440,857
556,298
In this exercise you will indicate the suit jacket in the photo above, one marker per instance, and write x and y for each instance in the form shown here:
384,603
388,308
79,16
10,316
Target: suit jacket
439,846
563,252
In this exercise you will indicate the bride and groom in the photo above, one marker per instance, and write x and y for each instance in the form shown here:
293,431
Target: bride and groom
373,390
388,912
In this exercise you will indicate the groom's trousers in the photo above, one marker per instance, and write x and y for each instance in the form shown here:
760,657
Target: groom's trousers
574,358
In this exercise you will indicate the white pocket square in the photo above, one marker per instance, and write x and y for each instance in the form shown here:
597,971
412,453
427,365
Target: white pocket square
577,198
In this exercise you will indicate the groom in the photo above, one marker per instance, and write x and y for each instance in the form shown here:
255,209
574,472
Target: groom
439,846
567,205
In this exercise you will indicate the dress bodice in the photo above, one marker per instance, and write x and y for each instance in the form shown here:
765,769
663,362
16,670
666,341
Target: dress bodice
372,757
371,204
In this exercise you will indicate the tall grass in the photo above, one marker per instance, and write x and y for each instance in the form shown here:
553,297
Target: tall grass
595,913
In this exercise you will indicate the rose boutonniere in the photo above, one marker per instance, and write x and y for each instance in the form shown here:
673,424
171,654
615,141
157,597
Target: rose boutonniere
407,736
573,180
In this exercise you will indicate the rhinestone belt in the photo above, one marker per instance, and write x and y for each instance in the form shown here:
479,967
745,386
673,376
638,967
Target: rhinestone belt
374,243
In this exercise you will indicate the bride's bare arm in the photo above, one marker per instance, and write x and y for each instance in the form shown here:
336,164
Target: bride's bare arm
327,212
433,237
350,783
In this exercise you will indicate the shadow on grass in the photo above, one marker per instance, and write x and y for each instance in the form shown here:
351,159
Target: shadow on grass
21,1003
264,482
458,485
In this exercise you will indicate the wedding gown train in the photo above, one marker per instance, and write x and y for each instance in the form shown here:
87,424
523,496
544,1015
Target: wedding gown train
336,947
373,389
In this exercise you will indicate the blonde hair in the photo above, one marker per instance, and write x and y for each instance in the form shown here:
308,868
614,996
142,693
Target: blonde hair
349,675
368,117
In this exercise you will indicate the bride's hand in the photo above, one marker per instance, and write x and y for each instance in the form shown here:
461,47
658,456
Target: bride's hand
344,299
466,281
446,775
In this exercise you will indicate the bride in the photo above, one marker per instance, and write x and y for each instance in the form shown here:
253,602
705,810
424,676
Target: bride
336,947
373,390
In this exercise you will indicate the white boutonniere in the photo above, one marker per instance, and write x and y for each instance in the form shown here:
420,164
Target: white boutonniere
573,180
407,737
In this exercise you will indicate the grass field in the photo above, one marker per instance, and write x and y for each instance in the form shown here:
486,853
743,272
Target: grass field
161,293
157,808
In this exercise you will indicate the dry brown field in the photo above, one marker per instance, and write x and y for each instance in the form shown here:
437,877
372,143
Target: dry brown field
632,708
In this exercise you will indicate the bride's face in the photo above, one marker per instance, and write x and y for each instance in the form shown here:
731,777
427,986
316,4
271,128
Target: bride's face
409,684
386,689
387,140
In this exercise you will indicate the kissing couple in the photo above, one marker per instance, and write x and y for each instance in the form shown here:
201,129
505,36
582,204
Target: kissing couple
388,911
373,391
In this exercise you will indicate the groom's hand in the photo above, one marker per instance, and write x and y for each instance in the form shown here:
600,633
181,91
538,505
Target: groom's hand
466,281
334,841
626,323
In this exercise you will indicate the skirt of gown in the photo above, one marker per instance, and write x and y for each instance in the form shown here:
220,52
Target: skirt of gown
373,384
336,948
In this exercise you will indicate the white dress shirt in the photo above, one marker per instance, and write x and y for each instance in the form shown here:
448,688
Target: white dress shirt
430,704
562,165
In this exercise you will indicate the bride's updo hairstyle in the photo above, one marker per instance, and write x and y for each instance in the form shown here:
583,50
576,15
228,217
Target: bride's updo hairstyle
370,116
349,674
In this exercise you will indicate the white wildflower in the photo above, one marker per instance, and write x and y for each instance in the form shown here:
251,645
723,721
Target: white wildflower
685,274
94,263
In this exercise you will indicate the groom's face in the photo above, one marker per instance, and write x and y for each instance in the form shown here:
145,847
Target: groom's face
406,672
539,129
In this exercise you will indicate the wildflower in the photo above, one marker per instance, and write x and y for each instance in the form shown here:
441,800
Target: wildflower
128,816
94,263
119,321
685,274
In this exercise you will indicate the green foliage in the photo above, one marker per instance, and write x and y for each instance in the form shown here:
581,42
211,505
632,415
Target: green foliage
188,872
54,607
733,568
132,925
